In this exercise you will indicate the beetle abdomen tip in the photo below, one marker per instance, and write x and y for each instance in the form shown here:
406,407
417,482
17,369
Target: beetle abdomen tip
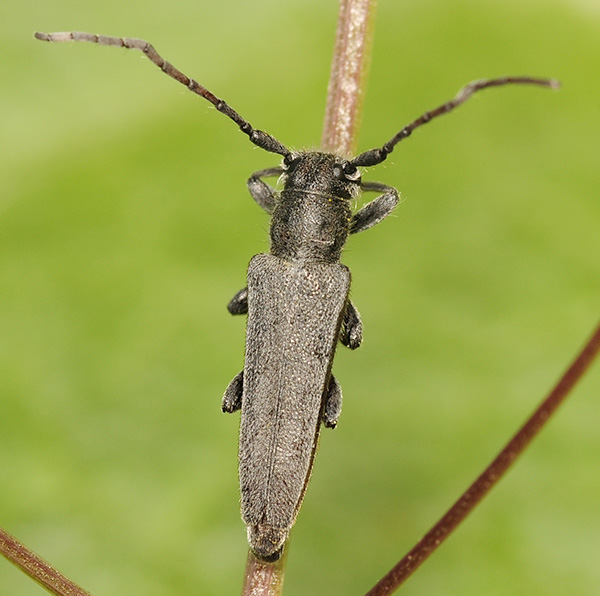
267,542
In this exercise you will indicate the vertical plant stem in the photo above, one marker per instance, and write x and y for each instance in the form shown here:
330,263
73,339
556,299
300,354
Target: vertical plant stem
490,477
263,578
340,132
351,59
36,568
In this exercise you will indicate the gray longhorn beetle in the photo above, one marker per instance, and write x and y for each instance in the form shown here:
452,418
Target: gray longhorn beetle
297,304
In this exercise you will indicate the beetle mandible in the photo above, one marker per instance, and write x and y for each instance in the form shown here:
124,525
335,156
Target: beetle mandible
297,304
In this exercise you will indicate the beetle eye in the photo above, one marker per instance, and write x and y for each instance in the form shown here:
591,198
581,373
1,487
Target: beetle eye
346,172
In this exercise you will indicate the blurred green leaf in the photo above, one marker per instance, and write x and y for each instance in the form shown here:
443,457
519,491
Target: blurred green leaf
125,227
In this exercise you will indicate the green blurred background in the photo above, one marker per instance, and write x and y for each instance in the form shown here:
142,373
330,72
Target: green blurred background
125,227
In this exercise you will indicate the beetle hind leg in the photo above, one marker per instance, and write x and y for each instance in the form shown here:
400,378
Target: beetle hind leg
232,399
333,403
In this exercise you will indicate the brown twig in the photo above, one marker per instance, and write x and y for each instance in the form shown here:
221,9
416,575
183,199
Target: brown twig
490,477
351,59
340,131
263,578
36,568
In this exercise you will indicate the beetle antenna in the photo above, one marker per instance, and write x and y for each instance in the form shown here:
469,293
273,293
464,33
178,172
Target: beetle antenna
258,137
379,154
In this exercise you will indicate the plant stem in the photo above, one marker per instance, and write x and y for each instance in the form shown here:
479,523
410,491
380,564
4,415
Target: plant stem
36,568
490,477
340,132
351,59
263,578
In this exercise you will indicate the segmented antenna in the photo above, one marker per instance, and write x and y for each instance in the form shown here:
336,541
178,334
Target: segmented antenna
258,137
265,140
375,156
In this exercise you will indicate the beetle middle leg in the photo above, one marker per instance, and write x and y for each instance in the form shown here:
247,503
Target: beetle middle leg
232,399
376,210
238,305
352,329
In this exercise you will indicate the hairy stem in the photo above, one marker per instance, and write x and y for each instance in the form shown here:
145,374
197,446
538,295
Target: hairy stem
263,578
490,477
342,119
36,568
351,59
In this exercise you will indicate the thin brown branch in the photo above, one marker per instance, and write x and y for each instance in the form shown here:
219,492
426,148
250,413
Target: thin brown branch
263,578
36,568
342,118
351,59
490,477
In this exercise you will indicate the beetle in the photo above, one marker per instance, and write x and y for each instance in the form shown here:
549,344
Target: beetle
297,303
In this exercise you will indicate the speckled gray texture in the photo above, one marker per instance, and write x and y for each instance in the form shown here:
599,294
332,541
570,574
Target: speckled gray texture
294,318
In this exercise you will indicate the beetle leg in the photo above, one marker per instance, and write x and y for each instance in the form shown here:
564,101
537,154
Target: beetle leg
232,399
238,305
352,329
261,192
372,213
333,403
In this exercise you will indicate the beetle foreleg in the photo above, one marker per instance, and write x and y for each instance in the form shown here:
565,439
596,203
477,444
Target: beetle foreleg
372,213
261,192
232,399
333,403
